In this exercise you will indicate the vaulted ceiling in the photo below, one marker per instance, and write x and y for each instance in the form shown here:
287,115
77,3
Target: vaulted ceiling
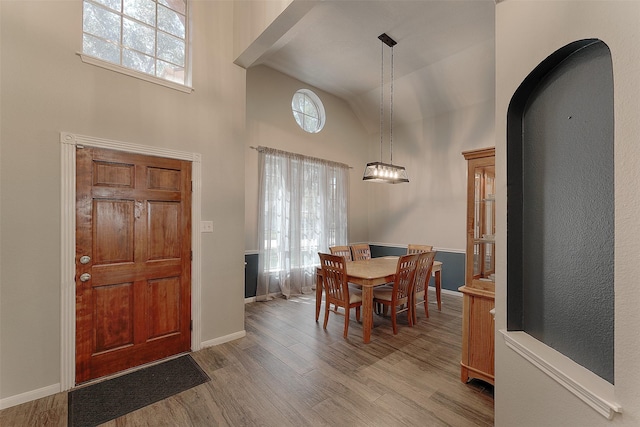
443,60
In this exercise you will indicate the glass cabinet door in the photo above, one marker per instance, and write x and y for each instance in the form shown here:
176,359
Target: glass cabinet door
484,223
481,218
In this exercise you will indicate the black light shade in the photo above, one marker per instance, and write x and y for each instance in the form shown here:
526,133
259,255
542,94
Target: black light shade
385,172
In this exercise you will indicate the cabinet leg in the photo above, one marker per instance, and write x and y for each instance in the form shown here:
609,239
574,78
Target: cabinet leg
464,375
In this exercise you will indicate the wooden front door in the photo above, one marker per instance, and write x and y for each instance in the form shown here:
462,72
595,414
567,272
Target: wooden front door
133,260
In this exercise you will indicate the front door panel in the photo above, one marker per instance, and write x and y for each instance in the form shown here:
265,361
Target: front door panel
133,286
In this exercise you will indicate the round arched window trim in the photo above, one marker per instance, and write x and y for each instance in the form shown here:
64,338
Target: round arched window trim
308,111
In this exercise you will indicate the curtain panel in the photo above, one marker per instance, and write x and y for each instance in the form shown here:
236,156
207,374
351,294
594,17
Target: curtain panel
303,205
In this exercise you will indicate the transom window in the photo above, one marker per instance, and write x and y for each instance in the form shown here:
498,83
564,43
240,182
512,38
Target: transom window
308,111
147,36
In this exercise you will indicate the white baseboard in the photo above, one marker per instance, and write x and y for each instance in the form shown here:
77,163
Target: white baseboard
28,396
55,388
448,292
271,296
224,339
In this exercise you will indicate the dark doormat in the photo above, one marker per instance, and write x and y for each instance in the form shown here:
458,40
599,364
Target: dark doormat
110,399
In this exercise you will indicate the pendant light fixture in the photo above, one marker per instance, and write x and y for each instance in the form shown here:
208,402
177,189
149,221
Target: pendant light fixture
378,171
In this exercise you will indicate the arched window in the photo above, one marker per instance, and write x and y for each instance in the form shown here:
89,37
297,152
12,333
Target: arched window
308,111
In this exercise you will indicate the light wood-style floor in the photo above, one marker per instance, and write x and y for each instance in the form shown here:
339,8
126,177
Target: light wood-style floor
288,371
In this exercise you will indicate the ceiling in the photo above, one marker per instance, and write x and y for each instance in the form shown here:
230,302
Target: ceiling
443,60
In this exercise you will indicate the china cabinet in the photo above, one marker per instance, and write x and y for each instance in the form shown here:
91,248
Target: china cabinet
479,288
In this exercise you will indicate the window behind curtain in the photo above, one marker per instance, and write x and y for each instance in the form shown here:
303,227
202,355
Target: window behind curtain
302,211
146,36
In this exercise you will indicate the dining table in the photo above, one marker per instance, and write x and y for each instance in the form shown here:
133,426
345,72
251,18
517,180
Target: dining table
368,274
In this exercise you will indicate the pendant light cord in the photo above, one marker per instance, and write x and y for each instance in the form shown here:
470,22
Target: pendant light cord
391,113
379,171
381,95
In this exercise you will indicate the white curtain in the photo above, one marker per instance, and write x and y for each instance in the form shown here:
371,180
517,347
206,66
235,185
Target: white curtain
302,211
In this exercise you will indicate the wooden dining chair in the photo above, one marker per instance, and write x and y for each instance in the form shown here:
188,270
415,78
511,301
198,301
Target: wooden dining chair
421,282
418,249
337,290
399,295
361,251
344,251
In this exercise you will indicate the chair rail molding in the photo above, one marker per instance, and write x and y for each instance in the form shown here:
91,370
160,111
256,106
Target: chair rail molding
587,386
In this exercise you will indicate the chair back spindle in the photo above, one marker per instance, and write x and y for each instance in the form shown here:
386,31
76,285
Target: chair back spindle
424,267
344,251
404,277
418,249
361,251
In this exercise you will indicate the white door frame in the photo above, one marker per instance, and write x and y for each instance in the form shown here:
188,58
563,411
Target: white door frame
69,142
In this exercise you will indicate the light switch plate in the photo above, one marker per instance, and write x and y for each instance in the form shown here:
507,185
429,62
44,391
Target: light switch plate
206,226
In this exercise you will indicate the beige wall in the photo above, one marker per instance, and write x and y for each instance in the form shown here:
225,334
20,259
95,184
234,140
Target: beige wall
431,208
46,89
526,33
270,123
252,18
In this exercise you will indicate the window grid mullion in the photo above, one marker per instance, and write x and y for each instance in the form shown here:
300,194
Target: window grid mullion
157,31
121,31
155,50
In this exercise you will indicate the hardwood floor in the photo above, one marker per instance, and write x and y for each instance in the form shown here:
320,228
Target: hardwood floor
288,371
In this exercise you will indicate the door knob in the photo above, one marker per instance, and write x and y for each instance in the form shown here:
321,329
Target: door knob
85,259
84,277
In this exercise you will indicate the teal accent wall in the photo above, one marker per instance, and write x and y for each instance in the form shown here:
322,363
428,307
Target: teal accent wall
250,275
452,264
560,209
452,268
